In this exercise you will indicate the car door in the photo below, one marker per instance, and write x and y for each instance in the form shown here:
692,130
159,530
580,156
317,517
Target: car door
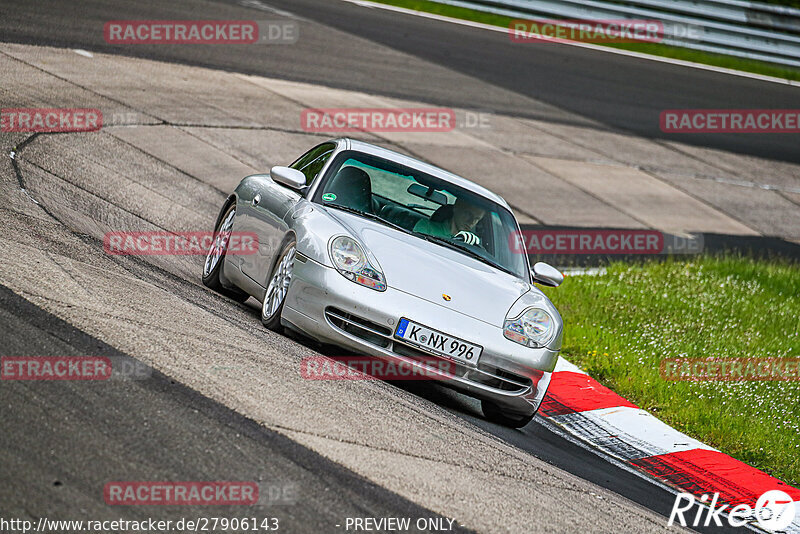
268,211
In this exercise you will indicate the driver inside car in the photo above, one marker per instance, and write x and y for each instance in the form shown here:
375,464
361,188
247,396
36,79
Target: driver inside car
453,221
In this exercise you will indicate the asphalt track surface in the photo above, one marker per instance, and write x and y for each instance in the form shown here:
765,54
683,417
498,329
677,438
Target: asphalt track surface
54,434
573,84
62,441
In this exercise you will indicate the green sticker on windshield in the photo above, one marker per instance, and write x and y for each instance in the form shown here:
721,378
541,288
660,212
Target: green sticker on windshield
328,197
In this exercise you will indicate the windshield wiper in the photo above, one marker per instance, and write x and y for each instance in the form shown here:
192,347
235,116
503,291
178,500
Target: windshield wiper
367,215
472,253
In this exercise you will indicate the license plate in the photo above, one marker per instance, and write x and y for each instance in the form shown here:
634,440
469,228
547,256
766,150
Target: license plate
438,343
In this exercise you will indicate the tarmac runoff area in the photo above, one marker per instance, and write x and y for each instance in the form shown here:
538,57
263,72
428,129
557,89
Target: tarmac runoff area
180,141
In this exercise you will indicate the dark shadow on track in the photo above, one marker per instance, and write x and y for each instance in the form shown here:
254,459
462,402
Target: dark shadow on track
62,441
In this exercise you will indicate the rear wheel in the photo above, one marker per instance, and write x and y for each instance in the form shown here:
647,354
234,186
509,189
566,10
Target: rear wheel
495,414
212,267
278,287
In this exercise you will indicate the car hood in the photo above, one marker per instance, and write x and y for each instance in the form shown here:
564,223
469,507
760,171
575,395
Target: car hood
430,271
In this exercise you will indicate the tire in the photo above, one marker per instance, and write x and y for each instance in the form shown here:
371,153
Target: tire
495,414
212,266
278,287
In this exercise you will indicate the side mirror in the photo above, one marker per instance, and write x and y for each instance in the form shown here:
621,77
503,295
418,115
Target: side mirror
547,275
291,178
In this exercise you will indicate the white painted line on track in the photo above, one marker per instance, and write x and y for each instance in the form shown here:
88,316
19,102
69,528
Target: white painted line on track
560,431
261,6
603,454
630,433
563,365
639,55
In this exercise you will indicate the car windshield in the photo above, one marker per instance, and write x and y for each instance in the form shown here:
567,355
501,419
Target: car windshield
425,206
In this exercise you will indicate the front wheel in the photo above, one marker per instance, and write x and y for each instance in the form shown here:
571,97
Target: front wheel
278,287
212,268
495,414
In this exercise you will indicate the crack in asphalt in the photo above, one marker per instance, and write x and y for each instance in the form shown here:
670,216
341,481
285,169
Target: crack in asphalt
500,445
96,242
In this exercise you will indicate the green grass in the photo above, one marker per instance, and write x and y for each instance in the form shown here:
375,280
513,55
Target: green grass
706,58
619,327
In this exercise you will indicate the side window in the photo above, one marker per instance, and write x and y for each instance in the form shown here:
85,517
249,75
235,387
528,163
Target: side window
312,161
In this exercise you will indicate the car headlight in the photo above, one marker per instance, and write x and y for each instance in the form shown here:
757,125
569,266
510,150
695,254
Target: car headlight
349,259
533,328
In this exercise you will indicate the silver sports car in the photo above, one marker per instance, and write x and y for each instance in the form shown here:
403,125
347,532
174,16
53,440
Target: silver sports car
389,257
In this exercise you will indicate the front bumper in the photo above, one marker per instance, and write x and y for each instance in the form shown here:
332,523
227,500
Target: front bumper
327,306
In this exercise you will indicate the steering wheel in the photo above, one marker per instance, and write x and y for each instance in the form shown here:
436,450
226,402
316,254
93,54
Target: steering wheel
468,238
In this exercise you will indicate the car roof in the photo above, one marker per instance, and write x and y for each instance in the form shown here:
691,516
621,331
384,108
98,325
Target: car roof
391,155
